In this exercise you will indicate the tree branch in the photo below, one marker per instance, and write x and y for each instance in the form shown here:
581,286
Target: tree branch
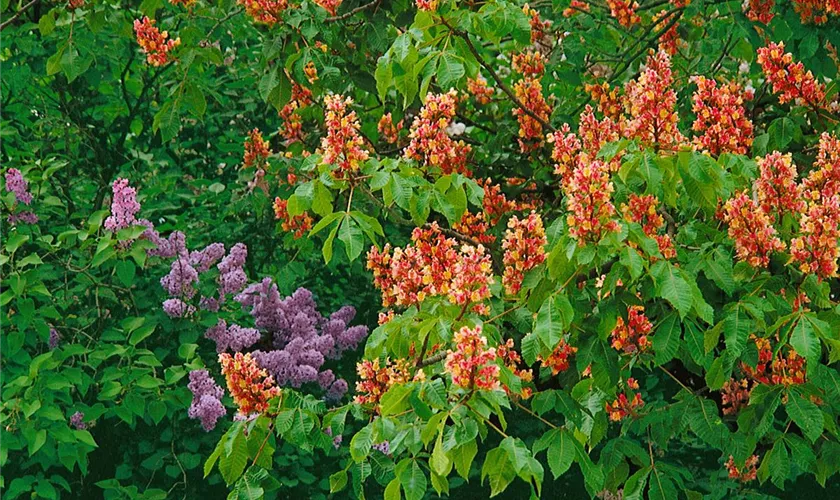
17,14
494,75
353,12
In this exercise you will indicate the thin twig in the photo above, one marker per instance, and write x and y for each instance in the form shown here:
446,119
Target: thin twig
17,14
352,12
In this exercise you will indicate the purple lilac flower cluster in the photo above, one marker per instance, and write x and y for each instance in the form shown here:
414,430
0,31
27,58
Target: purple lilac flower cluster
206,404
184,275
337,439
384,447
302,337
232,337
15,183
77,420
55,338
124,206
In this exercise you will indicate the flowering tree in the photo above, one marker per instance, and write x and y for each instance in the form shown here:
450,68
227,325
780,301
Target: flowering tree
587,245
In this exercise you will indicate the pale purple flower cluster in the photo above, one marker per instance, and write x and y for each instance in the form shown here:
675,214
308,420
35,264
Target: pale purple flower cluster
206,404
166,248
384,447
55,338
181,280
124,206
24,217
77,420
337,439
232,337
302,337
232,276
15,183
177,308
184,273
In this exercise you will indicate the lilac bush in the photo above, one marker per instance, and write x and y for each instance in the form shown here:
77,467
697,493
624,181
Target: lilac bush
206,404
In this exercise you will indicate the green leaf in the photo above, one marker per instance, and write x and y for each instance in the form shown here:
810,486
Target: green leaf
126,271
554,316
361,443
395,400
672,287
352,237
450,70
463,456
666,341
804,339
781,132
737,326
412,479
338,481
806,415
440,461
561,453
233,461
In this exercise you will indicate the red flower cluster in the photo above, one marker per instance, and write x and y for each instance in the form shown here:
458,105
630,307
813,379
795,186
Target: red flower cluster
816,10
721,118
475,226
343,145
251,387
816,248
651,103
824,180
299,224
428,268
642,210
558,360
511,359
524,246
735,395
565,151
471,280
624,11
75,4
607,99
529,92
311,72
588,199
539,28
633,335
496,204
472,365
788,78
375,381
292,128
330,6
479,89
575,7
622,407
746,473
529,63
427,5
760,11
751,228
776,187
154,42
265,11
257,150
387,130
787,369
430,144
669,42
